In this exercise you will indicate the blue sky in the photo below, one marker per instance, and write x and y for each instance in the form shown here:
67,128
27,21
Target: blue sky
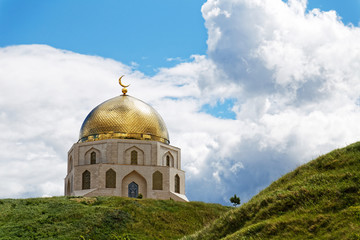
248,89
349,10
147,35
145,32
152,34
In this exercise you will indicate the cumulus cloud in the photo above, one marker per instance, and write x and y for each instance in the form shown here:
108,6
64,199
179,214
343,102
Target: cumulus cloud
299,73
292,73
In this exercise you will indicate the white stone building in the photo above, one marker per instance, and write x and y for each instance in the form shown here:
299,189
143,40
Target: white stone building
123,150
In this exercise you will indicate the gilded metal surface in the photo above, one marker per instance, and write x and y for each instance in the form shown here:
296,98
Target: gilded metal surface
124,117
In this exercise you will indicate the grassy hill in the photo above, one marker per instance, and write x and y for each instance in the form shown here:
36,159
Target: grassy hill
102,218
319,200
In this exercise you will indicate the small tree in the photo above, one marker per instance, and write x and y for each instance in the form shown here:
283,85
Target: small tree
235,200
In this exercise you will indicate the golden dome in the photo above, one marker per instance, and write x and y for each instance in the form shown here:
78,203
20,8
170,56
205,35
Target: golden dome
124,117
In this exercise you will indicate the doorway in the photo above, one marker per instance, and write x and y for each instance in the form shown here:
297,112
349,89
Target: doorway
133,191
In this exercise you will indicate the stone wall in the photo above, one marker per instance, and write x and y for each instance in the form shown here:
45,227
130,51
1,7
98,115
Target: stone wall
115,154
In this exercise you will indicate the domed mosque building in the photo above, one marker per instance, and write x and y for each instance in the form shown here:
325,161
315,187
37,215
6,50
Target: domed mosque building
124,150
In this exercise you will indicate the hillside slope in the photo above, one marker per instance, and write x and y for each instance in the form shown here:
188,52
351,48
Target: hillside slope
102,218
319,200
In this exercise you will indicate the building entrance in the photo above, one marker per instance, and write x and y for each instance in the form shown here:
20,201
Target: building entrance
133,190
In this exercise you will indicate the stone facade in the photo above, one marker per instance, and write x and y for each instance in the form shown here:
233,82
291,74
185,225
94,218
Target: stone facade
127,168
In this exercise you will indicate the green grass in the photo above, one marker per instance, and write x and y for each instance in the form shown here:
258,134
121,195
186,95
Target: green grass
102,218
319,200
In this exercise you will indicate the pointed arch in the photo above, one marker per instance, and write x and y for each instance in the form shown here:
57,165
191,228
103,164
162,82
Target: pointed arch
168,159
68,188
133,190
177,183
137,178
86,178
134,157
157,179
110,180
70,164
92,156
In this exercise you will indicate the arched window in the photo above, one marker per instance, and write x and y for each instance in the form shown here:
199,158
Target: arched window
157,181
68,191
177,183
110,179
93,158
168,161
134,157
86,180
70,163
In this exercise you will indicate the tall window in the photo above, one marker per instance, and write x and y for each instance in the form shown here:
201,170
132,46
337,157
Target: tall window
134,157
177,183
110,179
93,158
168,161
68,188
157,181
70,164
86,180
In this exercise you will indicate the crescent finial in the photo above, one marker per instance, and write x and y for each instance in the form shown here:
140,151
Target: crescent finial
124,90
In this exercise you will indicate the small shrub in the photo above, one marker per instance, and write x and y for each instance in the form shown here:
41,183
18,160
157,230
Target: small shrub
235,200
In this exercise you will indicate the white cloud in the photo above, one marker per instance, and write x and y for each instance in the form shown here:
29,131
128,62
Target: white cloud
299,71
294,74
